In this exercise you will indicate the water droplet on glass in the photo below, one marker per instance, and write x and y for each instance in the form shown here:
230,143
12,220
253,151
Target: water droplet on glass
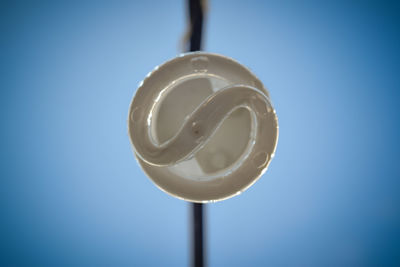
196,128
135,115
199,64
260,107
260,159
197,131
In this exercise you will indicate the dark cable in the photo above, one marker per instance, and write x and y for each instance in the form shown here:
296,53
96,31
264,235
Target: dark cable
196,15
198,235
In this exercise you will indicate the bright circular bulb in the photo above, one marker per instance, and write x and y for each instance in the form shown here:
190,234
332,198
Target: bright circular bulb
203,127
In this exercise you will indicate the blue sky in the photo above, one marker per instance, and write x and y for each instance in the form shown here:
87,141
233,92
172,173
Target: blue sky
72,193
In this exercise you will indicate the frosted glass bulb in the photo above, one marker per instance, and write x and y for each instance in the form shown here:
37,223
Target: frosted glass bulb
203,127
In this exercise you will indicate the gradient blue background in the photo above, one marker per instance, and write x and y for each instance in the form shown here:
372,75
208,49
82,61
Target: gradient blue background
72,193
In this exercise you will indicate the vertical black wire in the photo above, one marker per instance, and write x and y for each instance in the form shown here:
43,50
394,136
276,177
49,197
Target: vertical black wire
198,235
196,14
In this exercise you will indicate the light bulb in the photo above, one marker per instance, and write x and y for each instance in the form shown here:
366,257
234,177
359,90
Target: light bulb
202,127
